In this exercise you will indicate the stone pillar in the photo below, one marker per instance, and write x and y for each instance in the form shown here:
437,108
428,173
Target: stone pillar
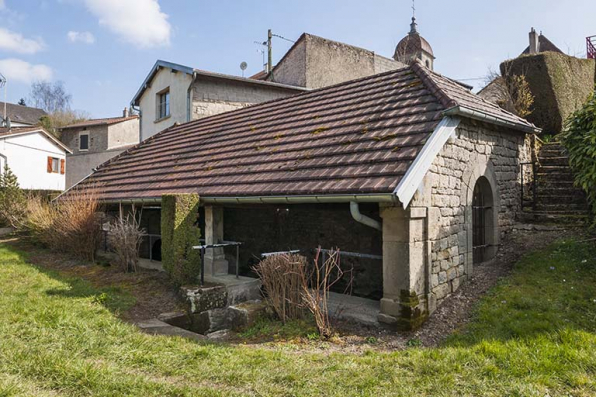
404,304
215,260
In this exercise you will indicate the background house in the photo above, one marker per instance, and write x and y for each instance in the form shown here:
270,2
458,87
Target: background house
174,93
20,116
35,156
315,62
93,142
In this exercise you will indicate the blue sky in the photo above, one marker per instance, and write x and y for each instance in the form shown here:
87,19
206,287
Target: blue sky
103,49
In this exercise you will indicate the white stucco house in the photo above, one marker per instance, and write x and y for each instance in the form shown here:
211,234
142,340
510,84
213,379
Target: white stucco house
35,156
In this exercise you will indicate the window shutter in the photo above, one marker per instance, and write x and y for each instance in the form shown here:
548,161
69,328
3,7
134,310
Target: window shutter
62,164
49,165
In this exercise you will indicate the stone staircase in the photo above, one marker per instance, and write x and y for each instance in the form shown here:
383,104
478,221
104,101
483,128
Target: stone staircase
556,199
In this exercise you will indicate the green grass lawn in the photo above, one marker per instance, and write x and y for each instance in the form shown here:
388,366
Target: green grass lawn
534,335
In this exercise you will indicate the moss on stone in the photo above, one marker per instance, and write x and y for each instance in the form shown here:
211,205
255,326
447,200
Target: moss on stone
179,233
559,83
412,315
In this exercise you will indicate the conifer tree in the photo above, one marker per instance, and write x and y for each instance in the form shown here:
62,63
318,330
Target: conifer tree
12,199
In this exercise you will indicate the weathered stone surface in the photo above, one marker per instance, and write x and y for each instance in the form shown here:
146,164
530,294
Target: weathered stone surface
201,299
177,319
233,317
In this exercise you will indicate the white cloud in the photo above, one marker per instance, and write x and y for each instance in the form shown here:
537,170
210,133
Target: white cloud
11,41
139,22
24,72
83,37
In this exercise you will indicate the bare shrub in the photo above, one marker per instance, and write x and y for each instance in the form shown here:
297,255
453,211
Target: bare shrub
71,225
293,287
281,276
317,282
125,237
40,218
511,92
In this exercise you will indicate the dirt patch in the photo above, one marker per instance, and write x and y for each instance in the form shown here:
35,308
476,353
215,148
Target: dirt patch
153,292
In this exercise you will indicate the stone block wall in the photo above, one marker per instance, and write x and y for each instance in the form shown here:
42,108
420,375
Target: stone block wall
211,96
98,139
479,151
316,62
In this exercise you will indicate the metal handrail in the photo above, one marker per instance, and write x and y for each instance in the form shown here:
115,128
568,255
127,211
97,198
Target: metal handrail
591,47
533,164
205,247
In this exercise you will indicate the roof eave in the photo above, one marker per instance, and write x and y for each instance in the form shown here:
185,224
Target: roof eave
249,81
465,112
159,64
290,199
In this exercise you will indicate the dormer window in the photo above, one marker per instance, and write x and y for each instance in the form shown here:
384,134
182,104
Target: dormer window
163,104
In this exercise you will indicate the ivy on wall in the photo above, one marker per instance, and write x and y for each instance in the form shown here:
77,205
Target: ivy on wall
179,233
579,138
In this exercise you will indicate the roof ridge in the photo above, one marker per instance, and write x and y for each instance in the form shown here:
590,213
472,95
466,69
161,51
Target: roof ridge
425,75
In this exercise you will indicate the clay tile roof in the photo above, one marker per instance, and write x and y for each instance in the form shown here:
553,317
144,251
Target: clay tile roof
96,122
21,114
358,137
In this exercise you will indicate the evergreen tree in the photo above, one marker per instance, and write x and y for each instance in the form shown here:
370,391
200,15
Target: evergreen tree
13,202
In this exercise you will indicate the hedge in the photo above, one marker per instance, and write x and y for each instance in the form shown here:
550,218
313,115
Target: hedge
179,233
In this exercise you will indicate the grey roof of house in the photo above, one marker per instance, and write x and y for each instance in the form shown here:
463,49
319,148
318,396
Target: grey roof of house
190,71
22,114
544,45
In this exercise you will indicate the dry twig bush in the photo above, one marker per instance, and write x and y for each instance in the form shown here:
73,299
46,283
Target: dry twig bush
292,287
317,282
71,225
125,237
281,276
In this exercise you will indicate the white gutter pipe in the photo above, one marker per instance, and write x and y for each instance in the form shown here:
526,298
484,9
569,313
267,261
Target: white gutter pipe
361,218
330,199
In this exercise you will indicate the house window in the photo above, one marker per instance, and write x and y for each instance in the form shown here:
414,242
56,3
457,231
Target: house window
84,141
163,104
56,165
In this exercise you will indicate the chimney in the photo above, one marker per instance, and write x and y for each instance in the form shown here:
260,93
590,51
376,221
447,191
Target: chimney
125,112
534,43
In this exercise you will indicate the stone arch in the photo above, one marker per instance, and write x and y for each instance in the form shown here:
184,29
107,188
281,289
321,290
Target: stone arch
481,168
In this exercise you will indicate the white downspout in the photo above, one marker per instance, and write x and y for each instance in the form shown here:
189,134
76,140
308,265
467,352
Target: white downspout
361,218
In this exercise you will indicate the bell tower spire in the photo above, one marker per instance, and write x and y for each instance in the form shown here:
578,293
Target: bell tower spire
413,25
414,47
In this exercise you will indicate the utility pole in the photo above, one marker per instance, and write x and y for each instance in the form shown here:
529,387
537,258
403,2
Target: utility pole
3,84
269,52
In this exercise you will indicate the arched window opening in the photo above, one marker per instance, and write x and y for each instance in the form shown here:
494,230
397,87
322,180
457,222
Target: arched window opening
482,222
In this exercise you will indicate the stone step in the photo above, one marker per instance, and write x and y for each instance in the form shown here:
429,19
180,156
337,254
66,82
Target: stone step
547,217
562,208
547,169
561,200
553,161
554,176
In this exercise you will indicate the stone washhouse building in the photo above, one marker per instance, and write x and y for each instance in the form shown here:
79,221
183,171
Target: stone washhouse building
407,166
